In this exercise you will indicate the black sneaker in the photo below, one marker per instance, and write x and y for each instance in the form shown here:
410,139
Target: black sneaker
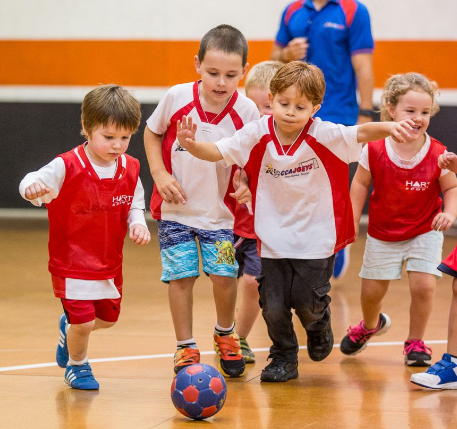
356,338
320,343
279,370
417,353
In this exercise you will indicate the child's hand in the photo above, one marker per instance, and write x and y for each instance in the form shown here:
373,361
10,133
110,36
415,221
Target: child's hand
169,188
442,221
242,192
186,132
399,130
139,234
448,161
36,190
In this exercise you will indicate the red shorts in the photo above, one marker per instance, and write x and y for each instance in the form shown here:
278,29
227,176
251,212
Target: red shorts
79,311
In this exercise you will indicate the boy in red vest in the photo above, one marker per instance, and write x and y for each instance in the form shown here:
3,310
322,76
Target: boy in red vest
92,194
406,222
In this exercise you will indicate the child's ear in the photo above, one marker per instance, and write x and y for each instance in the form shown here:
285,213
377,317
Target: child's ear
390,110
245,70
270,97
197,64
316,108
84,131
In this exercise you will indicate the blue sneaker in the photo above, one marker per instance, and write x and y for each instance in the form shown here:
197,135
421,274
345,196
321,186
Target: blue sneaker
80,377
62,350
341,262
442,375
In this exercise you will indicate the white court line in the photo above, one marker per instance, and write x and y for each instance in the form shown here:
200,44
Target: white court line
170,355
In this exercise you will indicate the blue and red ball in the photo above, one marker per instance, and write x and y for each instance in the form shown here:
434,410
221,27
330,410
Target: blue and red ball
198,391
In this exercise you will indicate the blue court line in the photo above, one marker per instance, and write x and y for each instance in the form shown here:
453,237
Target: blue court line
171,355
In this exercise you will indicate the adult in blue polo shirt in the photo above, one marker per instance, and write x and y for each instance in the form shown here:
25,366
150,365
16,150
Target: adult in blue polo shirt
335,35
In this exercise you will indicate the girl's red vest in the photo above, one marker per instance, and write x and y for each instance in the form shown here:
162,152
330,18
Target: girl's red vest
88,219
404,201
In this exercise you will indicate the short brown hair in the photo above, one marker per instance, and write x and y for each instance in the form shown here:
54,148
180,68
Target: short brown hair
308,79
261,74
224,38
399,84
110,104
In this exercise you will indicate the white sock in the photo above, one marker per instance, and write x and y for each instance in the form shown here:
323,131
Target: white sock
221,329
78,362
453,359
188,343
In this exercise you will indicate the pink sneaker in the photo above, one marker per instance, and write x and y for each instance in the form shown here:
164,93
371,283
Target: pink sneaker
356,339
417,353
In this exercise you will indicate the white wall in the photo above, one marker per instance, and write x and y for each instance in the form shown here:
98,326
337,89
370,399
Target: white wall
190,19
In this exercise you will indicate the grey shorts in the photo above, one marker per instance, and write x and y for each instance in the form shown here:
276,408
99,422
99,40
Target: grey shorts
383,260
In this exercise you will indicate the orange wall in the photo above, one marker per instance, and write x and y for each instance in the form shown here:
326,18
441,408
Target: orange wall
165,63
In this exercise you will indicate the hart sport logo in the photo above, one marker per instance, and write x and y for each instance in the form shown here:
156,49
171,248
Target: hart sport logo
122,199
412,185
303,168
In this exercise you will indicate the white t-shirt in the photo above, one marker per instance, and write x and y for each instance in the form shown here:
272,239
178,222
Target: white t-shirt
397,160
205,183
300,192
52,175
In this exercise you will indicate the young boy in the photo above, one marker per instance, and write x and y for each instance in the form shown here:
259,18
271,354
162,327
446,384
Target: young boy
191,197
91,193
257,87
443,374
297,167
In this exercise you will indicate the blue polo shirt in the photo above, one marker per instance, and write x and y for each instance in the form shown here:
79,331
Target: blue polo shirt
335,33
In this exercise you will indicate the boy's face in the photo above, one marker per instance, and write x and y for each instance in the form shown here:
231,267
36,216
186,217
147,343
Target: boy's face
260,97
220,72
107,143
292,110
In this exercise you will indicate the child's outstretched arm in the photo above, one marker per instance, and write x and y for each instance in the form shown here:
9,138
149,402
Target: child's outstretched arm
443,221
186,130
448,161
372,131
359,193
169,188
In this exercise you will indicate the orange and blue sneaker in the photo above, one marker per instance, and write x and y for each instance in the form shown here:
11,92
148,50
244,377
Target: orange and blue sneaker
62,355
231,362
186,356
417,353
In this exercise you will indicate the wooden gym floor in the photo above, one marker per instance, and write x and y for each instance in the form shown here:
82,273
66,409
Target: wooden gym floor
133,361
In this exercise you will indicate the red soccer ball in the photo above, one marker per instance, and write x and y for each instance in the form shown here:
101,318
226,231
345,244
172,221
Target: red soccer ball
198,391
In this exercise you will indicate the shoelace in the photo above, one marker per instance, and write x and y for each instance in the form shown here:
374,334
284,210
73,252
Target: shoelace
359,334
417,346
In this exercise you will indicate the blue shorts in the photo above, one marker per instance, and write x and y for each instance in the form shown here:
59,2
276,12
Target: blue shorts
247,256
179,251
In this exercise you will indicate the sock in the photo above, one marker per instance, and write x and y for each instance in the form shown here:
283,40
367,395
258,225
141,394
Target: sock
78,362
187,343
67,327
224,331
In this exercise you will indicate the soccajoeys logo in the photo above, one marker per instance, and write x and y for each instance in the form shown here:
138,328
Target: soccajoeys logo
303,168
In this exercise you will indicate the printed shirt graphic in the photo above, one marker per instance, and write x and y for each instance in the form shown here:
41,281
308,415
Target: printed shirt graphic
206,184
300,192
404,201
